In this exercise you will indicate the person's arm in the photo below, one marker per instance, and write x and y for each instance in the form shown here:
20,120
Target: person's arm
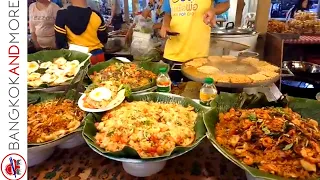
166,18
33,28
60,31
55,10
102,30
157,26
167,13
221,6
113,9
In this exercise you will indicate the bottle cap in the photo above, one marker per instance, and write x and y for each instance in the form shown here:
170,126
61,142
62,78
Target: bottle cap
163,69
208,81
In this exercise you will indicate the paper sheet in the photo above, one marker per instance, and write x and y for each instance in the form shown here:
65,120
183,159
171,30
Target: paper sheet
78,48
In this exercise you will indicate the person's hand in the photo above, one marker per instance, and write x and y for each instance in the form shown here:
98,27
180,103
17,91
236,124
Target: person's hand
37,46
128,39
209,17
164,30
108,23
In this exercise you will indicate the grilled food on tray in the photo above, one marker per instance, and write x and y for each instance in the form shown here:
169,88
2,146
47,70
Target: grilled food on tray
52,73
125,73
152,129
49,121
99,96
275,140
219,69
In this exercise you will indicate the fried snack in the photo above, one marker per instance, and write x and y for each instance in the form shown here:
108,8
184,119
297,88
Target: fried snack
222,78
229,58
275,26
271,67
197,62
259,63
274,140
240,78
250,60
49,121
214,58
151,128
258,77
269,74
208,69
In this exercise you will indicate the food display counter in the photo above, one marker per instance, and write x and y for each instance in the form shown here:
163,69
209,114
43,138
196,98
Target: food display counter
158,135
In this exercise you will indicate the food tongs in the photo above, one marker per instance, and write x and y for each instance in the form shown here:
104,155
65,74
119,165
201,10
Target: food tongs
76,84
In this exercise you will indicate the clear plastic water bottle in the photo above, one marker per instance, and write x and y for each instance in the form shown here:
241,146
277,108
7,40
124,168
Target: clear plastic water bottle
163,81
208,92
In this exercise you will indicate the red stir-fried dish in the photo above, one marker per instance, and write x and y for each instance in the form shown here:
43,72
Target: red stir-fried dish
275,140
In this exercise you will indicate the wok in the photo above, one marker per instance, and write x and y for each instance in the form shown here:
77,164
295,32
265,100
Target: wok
304,71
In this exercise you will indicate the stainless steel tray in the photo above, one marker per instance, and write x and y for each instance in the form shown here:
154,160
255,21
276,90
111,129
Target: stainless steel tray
237,67
233,85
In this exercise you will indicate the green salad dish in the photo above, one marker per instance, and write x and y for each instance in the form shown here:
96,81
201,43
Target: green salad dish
241,103
140,76
126,151
54,68
49,119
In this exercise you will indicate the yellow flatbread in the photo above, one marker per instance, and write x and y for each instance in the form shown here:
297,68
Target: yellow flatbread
239,78
198,62
208,69
222,78
229,58
269,74
214,58
258,77
250,60
270,67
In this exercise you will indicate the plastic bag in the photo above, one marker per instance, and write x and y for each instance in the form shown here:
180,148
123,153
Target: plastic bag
141,44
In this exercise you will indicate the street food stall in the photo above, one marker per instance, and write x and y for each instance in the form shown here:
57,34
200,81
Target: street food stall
105,121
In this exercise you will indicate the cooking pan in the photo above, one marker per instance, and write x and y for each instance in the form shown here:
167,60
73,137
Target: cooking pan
304,71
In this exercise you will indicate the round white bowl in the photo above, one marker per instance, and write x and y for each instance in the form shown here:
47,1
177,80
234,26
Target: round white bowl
75,141
143,169
39,155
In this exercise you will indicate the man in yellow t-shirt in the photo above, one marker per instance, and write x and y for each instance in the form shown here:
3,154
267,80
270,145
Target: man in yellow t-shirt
193,20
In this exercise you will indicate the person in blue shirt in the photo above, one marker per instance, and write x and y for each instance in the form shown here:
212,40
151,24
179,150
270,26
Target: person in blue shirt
193,20
58,2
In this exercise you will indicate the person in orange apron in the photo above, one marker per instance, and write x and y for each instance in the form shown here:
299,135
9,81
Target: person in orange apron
193,20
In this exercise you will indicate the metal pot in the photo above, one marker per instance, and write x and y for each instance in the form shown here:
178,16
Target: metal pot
304,71
234,34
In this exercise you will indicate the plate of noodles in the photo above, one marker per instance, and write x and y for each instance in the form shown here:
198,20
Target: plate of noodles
269,140
138,75
148,127
50,121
